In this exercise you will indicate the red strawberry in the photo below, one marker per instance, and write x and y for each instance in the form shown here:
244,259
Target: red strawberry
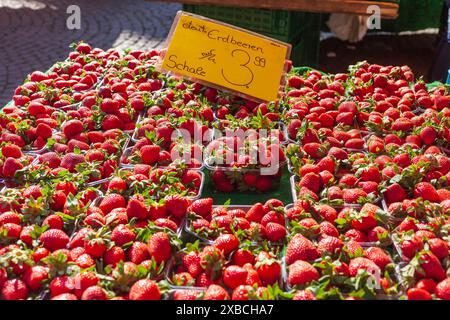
113,256
431,266
112,201
14,289
10,167
443,289
395,193
84,280
300,248
304,295
379,256
11,150
176,205
54,239
439,247
60,285
202,207
268,268
302,273
275,232
242,256
311,181
426,191
145,289
234,276
150,154
72,128
330,245
122,235
70,161
354,196
255,213
227,243
35,276
216,292
428,135
159,247
112,121
137,209
418,294
361,263
94,293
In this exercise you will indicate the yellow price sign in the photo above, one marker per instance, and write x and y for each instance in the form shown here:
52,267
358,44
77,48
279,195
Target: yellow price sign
225,56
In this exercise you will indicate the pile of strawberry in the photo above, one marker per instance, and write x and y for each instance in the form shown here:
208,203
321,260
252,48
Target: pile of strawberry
103,163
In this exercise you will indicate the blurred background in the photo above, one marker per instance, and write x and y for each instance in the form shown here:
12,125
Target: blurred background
34,33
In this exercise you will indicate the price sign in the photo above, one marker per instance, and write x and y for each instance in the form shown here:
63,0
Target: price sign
224,56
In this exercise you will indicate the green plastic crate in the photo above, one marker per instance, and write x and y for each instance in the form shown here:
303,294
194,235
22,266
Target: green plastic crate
279,24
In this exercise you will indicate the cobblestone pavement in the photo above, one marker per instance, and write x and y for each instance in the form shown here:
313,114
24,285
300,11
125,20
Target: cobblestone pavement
33,33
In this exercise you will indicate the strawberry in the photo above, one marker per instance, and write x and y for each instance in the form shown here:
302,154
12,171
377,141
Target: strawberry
439,248
234,276
378,256
426,191
311,181
159,247
431,266
242,256
326,212
268,268
330,245
418,294
137,209
428,135
94,293
361,263
35,276
111,121
302,273
191,262
227,243
202,207
84,280
65,296
300,248
138,252
72,128
443,289
71,160
44,131
150,154
304,295
60,285
395,193
54,239
11,151
10,167
255,213
122,235
186,295
145,289
176,205
354,196
113,256
14,289
112,201
275,232
216,292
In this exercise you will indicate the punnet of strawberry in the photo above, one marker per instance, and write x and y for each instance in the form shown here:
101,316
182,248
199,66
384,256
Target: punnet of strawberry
104,194
252,163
